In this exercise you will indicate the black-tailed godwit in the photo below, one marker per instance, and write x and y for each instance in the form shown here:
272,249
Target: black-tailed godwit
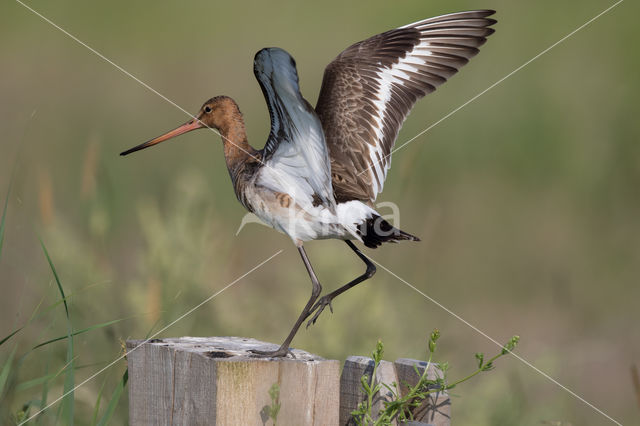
321,169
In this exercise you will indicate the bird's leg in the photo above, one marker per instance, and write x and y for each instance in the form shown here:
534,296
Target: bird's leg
315,292
326,300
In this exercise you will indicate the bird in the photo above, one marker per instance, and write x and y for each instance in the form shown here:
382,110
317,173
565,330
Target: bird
321,168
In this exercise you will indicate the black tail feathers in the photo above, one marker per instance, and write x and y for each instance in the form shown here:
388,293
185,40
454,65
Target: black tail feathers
376,231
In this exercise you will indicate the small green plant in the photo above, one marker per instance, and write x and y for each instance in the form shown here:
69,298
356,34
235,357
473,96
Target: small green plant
401,407
363,414
274,408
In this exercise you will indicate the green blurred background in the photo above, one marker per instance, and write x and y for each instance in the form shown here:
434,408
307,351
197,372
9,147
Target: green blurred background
527,200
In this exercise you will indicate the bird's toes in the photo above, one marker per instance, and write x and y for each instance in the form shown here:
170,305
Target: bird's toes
315,317
318,308
312,321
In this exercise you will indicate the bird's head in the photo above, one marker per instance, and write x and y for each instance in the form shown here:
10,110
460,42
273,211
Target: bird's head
216,113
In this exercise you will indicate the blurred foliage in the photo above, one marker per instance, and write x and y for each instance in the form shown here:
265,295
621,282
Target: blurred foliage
526,200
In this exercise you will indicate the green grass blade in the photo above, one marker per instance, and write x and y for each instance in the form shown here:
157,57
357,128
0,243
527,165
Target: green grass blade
33,316
57,278
36,315
34,382
58,413
69,381
61,408
13,333
6,369
113,403
45,390
84,330
96,409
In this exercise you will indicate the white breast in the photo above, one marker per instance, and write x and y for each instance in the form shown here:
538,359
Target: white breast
300,219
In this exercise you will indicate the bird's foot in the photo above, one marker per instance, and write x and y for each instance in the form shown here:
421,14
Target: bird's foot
322,303
278,353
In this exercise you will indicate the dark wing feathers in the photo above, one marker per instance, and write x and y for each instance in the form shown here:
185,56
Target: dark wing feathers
369,89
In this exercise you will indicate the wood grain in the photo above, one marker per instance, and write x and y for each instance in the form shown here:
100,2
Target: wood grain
216,381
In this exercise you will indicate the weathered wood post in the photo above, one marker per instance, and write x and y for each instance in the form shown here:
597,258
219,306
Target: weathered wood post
215,381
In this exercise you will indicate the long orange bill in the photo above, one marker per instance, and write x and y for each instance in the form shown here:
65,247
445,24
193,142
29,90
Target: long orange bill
186,127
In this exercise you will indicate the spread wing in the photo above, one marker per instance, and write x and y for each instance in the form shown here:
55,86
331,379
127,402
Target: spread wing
369,89
295,155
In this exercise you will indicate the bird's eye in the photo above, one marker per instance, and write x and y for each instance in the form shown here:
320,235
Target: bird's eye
207,109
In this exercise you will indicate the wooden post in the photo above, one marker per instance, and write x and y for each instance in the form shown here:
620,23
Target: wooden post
216,381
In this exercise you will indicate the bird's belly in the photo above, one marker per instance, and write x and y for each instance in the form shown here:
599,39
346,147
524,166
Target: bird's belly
283,213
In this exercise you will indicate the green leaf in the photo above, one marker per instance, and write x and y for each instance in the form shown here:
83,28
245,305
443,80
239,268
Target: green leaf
33,316
113,403
96,409
6,369
69,380
10,335
45,388
394,390
378,352
433,338
84,330
480,358
57,278
511,344
364,380
69,400
35,382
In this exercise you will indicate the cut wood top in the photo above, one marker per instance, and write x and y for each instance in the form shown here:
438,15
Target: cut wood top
217,381
232,348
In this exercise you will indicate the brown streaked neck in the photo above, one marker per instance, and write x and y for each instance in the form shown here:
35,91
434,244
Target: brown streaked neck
237,150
